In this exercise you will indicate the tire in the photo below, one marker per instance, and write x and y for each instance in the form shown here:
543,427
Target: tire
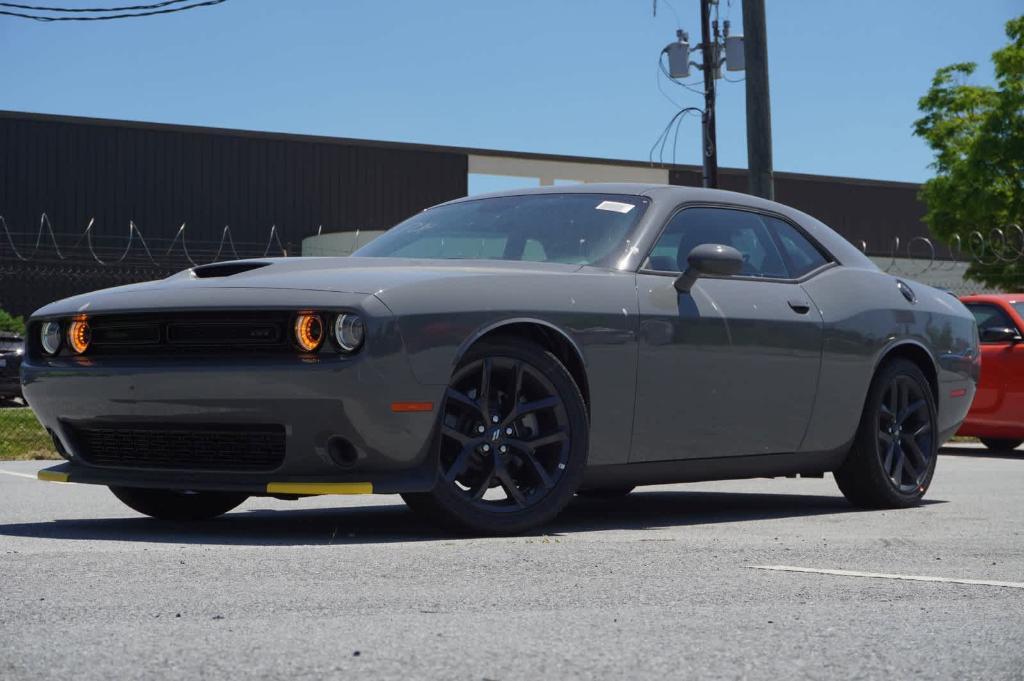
887,467
511,448
605,493
1000,445
165,504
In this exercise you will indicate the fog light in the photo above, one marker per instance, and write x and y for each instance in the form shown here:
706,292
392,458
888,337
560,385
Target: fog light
342,452
349,332
309,331
79,335
50,337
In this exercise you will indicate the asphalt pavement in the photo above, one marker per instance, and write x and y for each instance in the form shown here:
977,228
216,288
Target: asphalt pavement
656,585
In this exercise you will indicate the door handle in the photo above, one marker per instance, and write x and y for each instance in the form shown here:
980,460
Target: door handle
800,306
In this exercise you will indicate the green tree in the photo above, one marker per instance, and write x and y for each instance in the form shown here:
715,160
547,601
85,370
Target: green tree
977,134
11,323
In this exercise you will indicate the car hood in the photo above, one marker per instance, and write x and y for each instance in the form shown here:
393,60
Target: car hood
347,274
289,281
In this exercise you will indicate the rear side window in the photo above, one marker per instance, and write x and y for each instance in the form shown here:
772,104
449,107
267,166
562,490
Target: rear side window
801,255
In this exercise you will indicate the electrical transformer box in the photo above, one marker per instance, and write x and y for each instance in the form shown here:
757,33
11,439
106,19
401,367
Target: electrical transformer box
735,60
679,59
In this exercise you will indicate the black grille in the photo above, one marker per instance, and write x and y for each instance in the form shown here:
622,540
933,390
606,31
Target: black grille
191,333
205,448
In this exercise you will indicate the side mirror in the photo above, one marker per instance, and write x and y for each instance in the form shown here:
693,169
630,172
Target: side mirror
999,334
709,260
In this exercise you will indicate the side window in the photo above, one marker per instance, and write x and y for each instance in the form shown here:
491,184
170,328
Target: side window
744,231
990,317
801,255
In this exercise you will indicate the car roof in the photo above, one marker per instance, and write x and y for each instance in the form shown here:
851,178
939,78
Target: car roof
668,191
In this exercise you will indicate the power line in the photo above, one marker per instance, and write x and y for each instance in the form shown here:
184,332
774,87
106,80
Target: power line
166,10
671,8
662,140
92,9
664,94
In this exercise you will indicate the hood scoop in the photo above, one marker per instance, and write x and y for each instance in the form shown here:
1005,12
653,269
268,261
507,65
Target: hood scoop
225,269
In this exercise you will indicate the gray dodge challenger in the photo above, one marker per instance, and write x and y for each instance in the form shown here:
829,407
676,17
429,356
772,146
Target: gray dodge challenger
493,356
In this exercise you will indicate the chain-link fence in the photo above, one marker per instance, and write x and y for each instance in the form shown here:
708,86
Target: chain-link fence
39,267
21,436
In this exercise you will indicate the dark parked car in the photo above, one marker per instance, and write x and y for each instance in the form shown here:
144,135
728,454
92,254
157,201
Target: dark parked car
11,345
492,356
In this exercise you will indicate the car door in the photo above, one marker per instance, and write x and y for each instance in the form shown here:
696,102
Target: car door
730,368
999,399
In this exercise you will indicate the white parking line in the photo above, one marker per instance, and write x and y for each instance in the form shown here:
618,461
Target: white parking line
882,575
19,475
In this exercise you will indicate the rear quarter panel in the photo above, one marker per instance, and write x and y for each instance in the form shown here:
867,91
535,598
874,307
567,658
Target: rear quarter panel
866,317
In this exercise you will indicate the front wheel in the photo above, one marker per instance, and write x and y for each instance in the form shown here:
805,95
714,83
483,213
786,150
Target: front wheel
1000,445
512,441
893,457
165,504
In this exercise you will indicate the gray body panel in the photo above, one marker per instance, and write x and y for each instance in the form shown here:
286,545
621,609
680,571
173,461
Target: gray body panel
729,364
728,371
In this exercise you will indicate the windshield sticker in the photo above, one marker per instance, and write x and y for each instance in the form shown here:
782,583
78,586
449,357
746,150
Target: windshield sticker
616,206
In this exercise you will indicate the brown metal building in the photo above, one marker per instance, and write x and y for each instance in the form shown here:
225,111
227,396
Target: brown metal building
159,176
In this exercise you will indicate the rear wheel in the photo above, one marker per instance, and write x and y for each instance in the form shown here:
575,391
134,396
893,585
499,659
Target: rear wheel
165,504
512,441
894,453
1000,445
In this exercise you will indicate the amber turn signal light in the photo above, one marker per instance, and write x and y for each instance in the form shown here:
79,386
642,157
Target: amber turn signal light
309,331
79,335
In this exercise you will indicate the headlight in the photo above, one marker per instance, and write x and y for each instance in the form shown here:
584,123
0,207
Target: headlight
309,331
349,332
79,336
50,337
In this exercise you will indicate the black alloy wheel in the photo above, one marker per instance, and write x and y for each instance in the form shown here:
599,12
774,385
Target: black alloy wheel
893,457
512,441
505,428
905,434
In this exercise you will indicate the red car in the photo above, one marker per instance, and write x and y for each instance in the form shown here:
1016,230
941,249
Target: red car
997,413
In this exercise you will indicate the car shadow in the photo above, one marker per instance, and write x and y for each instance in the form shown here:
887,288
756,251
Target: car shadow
980,453
395,523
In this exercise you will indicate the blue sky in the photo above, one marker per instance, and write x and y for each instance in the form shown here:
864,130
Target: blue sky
557,76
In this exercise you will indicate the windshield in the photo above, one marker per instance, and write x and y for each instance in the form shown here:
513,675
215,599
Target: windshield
1019,307
581,229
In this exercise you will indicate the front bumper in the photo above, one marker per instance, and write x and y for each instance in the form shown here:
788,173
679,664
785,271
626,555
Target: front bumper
68,472
314,400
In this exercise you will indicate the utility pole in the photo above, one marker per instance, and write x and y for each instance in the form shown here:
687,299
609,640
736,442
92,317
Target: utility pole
710,67
759,116
711,47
